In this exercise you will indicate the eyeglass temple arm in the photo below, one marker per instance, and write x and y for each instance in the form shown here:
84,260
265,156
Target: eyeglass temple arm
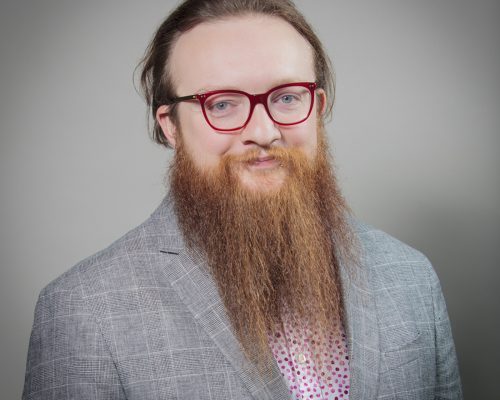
183,98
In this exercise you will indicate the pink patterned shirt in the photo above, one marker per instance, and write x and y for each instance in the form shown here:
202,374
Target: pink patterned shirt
305,378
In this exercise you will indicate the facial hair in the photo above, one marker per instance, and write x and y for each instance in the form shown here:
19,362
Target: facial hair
270,252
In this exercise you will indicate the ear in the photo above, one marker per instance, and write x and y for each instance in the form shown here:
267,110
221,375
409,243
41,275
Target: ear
167,125
321,96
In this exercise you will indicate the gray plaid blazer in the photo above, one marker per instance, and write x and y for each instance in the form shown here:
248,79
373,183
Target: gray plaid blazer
143,320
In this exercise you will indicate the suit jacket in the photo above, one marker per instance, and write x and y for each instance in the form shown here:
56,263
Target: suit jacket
142,319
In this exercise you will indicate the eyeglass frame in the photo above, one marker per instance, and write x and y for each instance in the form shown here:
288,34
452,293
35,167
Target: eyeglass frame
254,99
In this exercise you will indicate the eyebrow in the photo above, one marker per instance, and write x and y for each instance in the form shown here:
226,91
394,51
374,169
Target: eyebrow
279,82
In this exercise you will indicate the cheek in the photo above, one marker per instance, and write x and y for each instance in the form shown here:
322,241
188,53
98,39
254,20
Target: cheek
204,145
303,136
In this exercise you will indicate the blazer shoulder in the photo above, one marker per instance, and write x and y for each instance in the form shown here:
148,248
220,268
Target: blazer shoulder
378,247
123,262
389,260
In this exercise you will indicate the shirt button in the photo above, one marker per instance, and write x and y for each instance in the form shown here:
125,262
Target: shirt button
301,358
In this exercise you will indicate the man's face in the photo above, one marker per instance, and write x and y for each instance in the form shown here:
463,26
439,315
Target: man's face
253,54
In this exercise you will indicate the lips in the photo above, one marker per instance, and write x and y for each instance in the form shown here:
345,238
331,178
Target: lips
264,161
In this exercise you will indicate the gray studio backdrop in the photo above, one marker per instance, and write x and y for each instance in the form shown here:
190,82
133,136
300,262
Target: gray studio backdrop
415,136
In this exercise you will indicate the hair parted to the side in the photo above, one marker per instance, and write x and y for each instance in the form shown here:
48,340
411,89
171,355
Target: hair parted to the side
156,83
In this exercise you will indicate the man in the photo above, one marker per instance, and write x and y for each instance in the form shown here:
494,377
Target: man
250,281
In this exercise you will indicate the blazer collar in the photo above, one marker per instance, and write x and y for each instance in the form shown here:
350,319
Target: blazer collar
189,276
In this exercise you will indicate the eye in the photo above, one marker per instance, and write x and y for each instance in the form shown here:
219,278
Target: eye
287,98
224,103
220,106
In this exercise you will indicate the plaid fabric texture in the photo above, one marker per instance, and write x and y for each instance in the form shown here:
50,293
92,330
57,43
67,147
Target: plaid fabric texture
142,320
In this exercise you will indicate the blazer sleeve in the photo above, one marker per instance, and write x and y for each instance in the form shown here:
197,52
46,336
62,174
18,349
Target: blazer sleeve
447,374
67,356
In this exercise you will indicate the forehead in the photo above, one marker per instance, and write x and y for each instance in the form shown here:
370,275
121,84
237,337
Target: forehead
250,53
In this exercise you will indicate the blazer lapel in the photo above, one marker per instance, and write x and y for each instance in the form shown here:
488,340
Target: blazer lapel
362,333
190,278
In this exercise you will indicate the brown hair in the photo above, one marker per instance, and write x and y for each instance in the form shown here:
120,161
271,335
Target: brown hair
156,81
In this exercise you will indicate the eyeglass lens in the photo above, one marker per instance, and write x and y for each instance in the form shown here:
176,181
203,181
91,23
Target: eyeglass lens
286,105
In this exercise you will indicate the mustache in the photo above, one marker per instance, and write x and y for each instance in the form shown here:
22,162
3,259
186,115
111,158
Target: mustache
281,154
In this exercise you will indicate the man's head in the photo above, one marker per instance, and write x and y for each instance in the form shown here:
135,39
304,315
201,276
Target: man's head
251,180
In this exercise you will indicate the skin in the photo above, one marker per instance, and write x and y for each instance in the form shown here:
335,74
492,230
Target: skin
252,53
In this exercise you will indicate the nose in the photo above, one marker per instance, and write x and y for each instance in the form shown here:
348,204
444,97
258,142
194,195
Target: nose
261,129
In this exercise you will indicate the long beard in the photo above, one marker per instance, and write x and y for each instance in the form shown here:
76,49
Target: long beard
270,252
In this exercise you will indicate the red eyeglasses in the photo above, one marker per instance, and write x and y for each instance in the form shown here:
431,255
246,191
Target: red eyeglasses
230,110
